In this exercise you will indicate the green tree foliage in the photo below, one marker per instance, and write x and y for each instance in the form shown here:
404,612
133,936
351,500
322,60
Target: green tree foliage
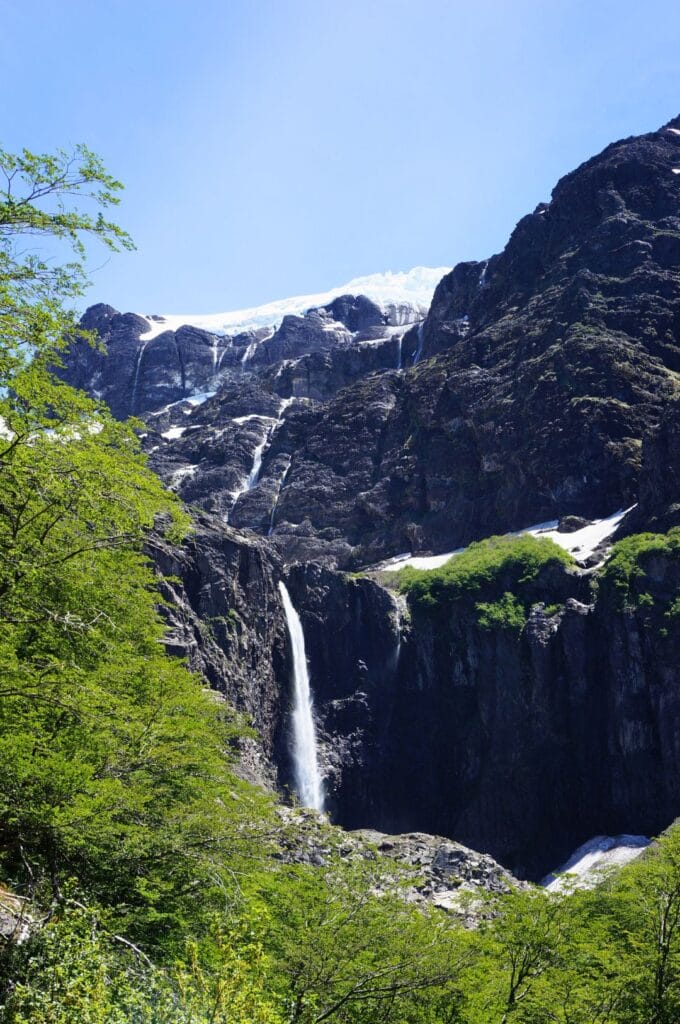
623,579
347,947
37,193
79,972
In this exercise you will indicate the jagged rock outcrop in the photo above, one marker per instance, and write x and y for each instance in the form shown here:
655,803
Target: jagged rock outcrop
552,362
432,870
225,618
138,368
450,872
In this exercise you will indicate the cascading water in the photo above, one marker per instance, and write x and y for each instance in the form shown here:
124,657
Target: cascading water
400,340
257,461
249,352
397,629
307,775
138,366
421,342
258,454
482,277
282,482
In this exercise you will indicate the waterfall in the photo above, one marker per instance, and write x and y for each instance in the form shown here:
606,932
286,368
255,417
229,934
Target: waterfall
397,628
257,461
258,454
254,474
213,349
307,775
247,355
482,277
278,495
400,340
138,366
421,342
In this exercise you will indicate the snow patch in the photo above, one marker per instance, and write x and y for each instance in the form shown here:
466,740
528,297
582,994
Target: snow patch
252,416
173,432
408,288
192,400
417,561
587,864
581,543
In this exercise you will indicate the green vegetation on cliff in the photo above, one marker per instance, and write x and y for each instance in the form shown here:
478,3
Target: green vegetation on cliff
625,576
493,576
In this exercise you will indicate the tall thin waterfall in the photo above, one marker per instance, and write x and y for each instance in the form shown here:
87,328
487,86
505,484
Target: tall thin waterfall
400,340
307,775
257,460
421,341
138,366
282,482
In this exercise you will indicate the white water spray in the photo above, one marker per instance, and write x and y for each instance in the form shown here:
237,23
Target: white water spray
400,341
421,342
249,352
307,775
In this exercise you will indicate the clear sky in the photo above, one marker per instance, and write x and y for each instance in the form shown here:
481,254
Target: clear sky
277,147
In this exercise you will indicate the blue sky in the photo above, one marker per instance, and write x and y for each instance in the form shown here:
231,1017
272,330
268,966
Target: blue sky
276,147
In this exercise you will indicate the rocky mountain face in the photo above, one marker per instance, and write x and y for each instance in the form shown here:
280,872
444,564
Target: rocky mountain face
541,384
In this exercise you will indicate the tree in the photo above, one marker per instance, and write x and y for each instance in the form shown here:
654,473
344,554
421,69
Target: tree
37,195
114,771
348,947
647,907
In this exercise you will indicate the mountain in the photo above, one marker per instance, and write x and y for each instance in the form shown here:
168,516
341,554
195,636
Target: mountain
330,433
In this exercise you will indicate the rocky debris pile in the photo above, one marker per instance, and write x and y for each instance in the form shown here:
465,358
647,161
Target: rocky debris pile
436,871
450,873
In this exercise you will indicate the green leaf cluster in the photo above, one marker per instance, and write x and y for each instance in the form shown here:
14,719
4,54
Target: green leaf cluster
625,578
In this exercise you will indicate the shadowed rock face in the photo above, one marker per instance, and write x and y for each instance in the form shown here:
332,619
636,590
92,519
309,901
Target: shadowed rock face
544,386
659,503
